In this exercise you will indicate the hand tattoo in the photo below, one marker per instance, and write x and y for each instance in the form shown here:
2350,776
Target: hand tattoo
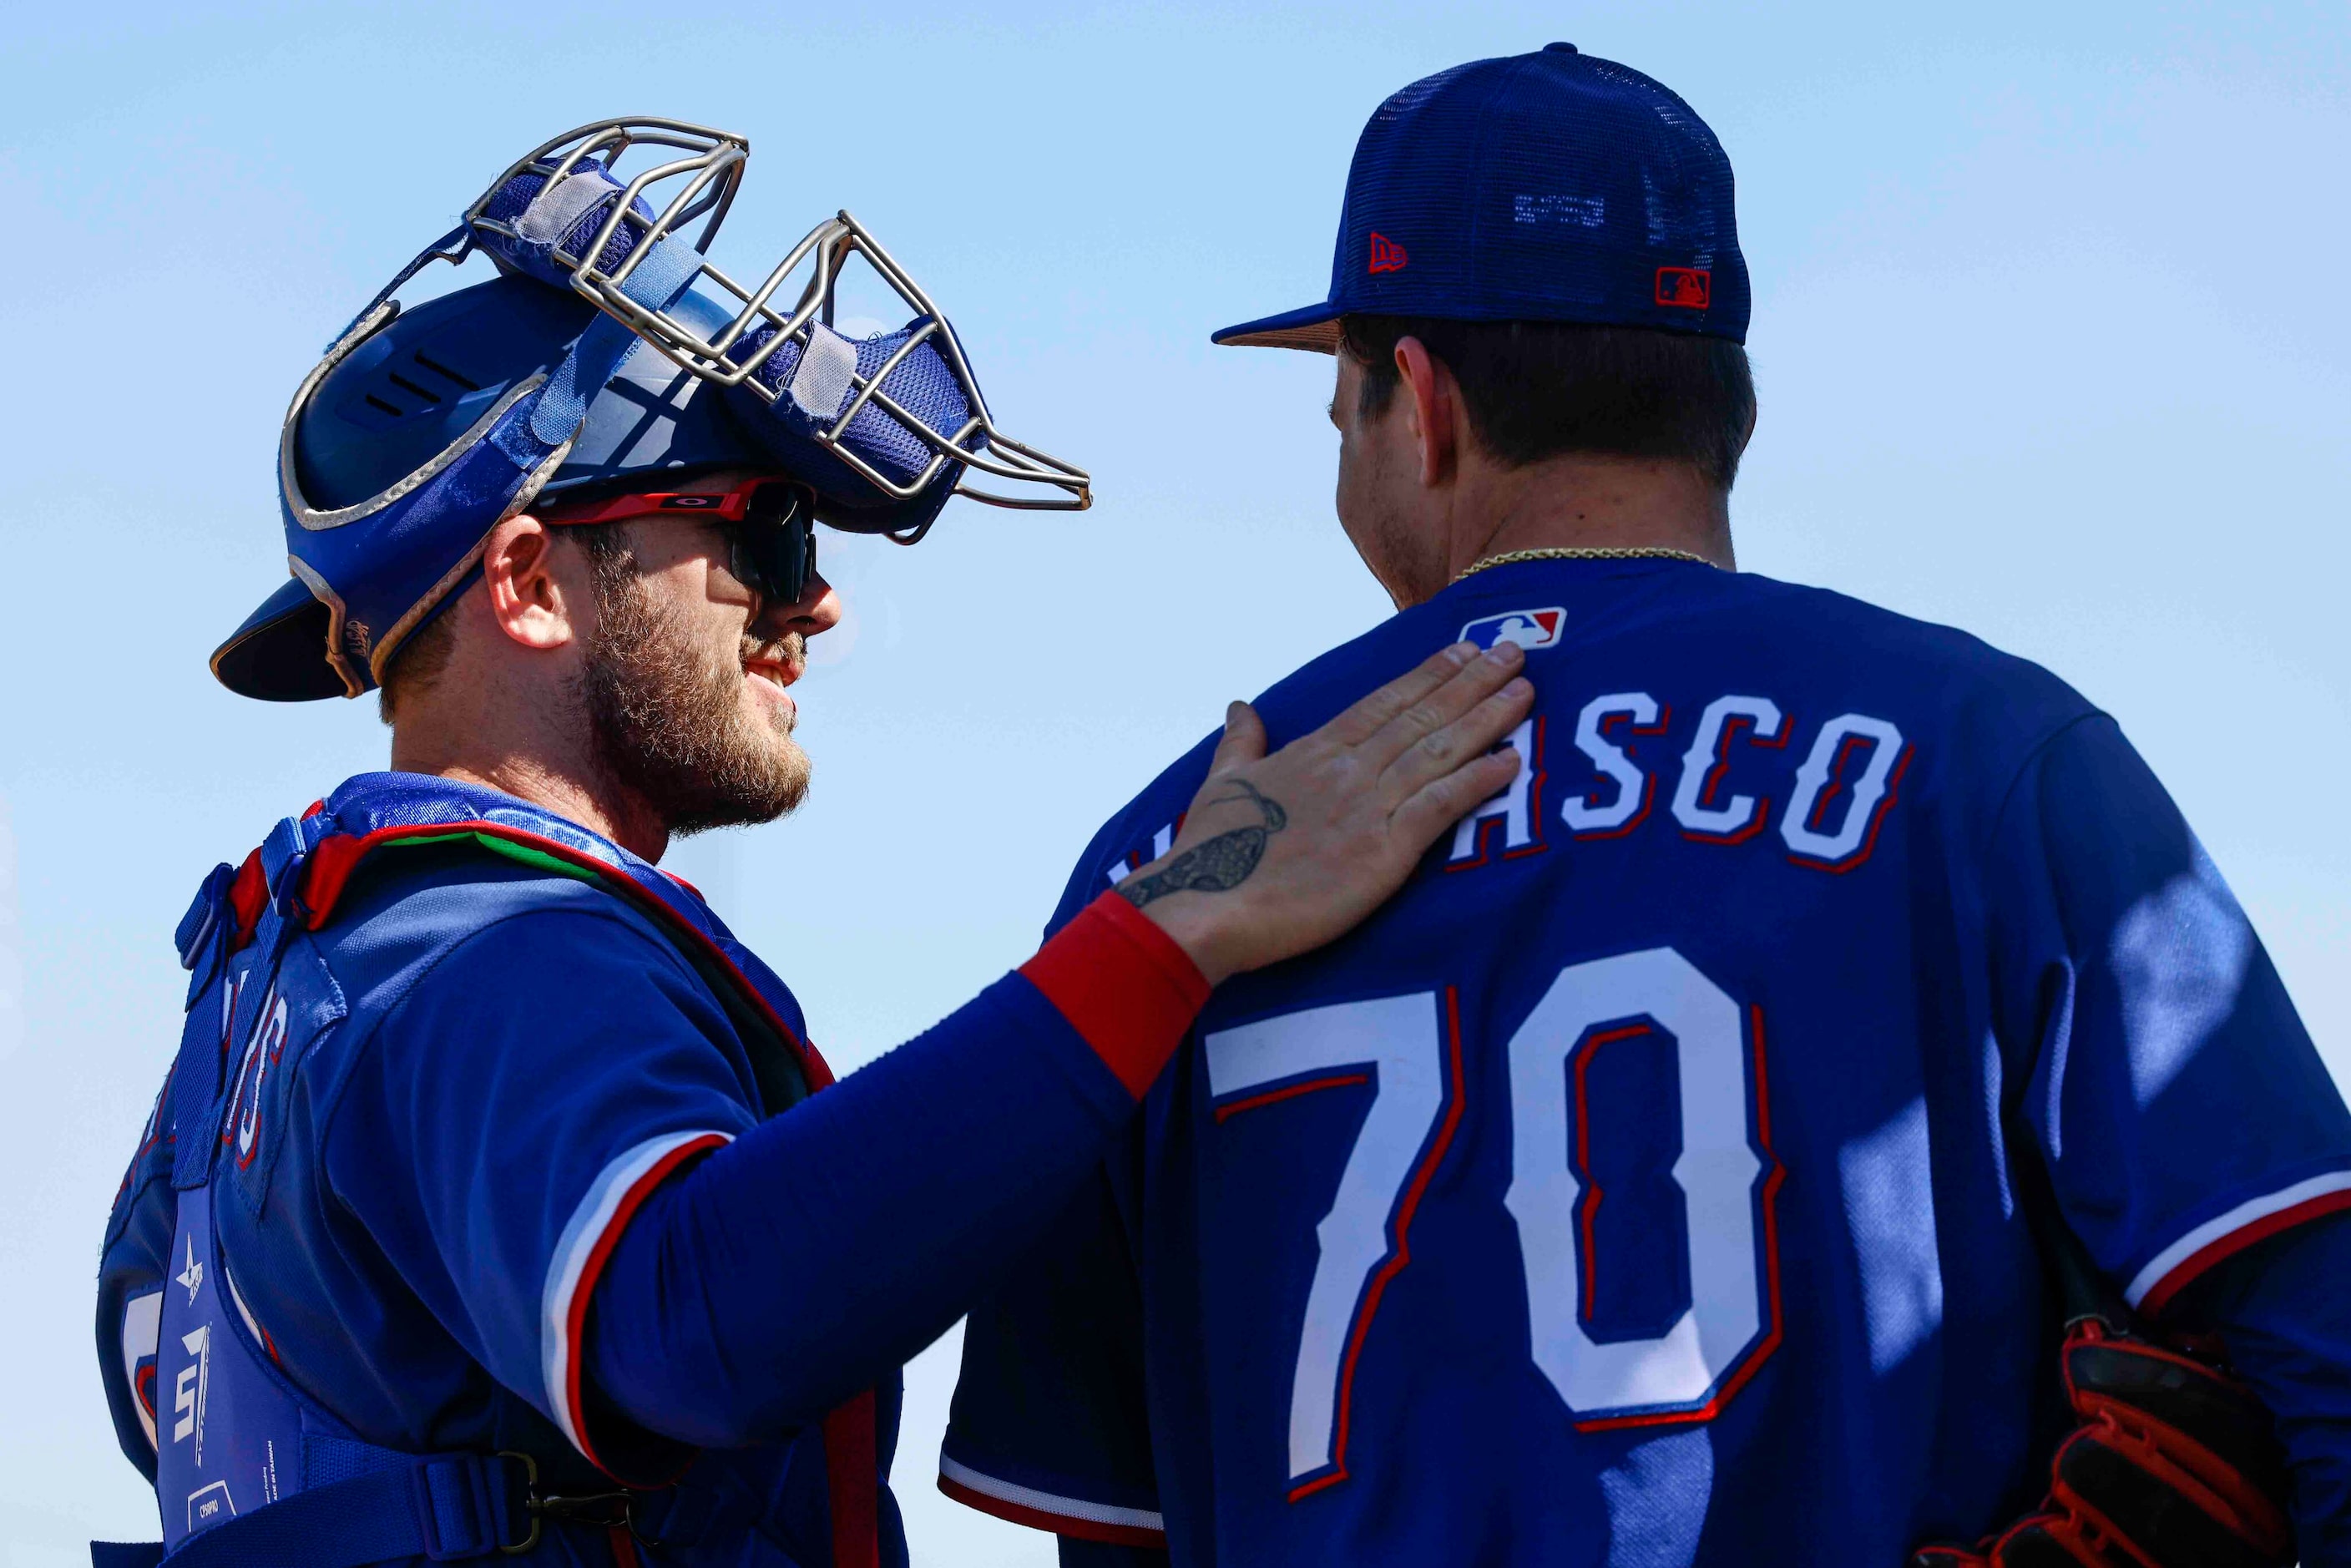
1217,864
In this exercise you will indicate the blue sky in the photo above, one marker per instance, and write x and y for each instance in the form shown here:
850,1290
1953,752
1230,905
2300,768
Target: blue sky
2047,330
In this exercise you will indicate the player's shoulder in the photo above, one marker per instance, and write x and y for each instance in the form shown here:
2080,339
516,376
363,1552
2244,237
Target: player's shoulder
462,986
1148,817
427,915
497,949
1809,649
442,965
1836,631
1296,705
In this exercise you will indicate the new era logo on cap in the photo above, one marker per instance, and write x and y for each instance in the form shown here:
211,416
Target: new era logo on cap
1691,287
1386,255
1530,628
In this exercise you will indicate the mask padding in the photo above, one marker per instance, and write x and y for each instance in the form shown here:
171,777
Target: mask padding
535,257
922,384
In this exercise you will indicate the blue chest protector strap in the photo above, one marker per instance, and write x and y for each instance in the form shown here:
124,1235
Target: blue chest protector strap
445,1509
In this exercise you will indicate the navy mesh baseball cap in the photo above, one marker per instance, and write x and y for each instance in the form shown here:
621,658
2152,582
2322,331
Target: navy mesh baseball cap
1544,187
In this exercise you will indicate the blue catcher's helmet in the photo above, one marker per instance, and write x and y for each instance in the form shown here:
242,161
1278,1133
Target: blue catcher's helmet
419,384
423,429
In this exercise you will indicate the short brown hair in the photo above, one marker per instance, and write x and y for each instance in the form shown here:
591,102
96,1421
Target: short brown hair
419,663
1542,389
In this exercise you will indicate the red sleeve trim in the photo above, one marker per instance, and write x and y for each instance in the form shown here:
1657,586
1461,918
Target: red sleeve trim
1047,1519
1125,984
581,1254
2180,1264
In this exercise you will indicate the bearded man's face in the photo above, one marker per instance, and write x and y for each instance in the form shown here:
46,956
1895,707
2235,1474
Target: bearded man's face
685,681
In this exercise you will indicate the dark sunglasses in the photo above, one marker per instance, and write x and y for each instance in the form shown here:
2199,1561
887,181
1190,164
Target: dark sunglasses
770,527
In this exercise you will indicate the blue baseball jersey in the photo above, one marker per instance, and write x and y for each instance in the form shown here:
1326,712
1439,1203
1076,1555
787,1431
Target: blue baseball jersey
1633,1187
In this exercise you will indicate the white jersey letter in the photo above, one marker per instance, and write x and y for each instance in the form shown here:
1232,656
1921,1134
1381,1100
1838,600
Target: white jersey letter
1817,789
1585,813
1513,805
1703,766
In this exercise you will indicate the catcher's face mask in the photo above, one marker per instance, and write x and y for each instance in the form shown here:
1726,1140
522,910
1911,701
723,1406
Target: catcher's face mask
419,432
875,424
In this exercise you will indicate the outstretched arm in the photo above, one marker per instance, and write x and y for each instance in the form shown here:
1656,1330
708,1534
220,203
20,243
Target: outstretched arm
822,1247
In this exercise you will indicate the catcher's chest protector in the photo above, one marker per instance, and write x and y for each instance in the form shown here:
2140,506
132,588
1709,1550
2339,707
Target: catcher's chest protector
233,1435
196,1375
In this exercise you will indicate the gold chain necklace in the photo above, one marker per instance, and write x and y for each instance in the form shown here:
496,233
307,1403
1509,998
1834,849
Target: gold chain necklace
1594,552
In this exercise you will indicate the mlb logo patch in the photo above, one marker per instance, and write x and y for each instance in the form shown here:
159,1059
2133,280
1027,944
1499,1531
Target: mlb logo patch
1530,628
1691,287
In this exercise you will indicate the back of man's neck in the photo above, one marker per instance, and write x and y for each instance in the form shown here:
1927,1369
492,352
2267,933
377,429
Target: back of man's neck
614,812
1591,503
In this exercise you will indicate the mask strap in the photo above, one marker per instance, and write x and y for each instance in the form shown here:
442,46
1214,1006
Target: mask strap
462,237
596,359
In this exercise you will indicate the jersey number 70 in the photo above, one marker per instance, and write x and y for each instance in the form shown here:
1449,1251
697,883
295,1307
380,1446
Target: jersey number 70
1411,1046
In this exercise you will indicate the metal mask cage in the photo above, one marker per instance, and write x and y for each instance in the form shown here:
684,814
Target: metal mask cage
705,180
702,180
712,170
977,444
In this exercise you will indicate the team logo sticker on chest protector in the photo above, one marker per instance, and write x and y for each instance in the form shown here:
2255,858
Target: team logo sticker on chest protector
222,1419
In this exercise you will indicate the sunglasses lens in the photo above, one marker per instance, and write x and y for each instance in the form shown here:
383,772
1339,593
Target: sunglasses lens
775,545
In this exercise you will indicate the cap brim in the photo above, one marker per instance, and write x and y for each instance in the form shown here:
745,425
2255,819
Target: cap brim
279,654
1313,327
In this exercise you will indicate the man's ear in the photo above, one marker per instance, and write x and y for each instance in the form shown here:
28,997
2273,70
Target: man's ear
1436,412
538,594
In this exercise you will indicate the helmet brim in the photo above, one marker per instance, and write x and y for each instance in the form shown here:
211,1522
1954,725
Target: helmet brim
279,653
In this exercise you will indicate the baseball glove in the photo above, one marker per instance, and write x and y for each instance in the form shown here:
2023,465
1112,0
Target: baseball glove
2174,1466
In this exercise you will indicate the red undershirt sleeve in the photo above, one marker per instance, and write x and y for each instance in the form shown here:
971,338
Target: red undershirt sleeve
1124,984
